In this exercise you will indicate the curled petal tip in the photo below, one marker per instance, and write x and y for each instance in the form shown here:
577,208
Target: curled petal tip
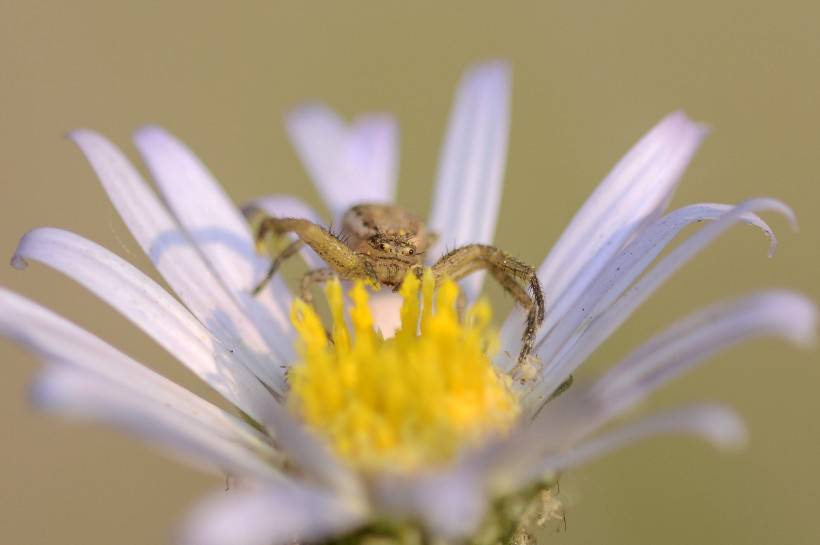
19,262
795,226
772,244
149,130
703,129
794,316
38,396
44,392
678,116
723,428
90,141
805,329
776,206
489,70
791,217
680,122
79,134
305,109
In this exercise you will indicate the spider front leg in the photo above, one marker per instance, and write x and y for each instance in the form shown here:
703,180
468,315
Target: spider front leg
341,259
509,272
316,276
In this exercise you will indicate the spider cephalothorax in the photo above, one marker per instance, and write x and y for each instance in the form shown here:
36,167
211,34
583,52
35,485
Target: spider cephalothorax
383,242
389,238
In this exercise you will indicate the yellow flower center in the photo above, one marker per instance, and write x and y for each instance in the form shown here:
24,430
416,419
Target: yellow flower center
402,403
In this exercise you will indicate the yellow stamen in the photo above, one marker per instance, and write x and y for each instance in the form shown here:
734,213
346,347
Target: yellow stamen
403,403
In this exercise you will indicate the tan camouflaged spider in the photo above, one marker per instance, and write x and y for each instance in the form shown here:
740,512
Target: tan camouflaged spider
383,242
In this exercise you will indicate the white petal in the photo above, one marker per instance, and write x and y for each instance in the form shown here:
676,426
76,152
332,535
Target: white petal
151,309
287,206
598,328
174,256
219,231
701,335
471,166
634,192
77,393
717,425
271,516
629,263
348,164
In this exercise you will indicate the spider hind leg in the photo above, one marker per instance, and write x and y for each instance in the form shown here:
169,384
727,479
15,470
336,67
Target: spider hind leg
287,253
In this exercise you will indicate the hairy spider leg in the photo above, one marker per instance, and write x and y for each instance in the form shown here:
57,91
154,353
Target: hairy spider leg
508,271
316,276
287,253
341,259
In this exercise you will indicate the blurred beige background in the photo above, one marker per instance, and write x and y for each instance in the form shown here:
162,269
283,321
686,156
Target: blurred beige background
590,77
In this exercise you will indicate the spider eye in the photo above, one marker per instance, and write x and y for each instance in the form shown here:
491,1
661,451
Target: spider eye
410,251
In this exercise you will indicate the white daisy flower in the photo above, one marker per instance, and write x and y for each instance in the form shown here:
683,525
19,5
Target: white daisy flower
370,435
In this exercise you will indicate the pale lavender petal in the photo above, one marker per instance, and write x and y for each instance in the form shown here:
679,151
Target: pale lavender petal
701,335
271,516
283,206
629,263
287,206
318,134
718,425
53,338
558,438
201,206
683,345
157,313
219,232
562,423
70,392
371,158
585,408
175,257
150,308
594,331
306,452
635,192
451,503
386,309
471,166
349,164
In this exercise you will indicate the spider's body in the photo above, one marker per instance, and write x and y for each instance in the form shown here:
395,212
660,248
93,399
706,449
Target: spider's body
391,238
383,242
